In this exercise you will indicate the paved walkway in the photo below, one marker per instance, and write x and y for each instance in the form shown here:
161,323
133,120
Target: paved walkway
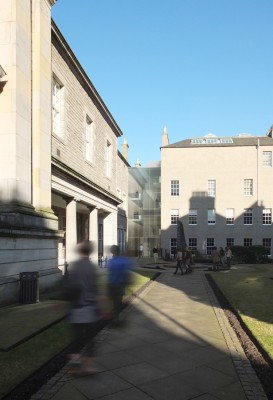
176,345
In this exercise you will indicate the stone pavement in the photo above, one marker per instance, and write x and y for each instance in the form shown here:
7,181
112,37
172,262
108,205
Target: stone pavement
176,344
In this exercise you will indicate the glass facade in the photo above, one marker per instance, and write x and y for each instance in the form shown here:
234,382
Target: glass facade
144,205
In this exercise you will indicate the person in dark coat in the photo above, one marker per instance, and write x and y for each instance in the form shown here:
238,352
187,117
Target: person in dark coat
82,292
179,261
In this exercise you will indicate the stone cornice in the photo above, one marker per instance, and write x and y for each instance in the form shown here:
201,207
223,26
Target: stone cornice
75,177
66,52
123,159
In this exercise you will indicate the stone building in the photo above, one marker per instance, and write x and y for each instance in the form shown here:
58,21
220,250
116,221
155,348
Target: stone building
60,167
89,175
219,188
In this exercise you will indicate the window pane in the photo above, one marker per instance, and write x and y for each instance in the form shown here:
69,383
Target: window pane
248,216
211,188
267,219
248,187
175,188
267,245
56,107
193,244
173,246
230,242
247,242
174,216
210,245
211,217
267,158
88,139
192,217
230,216
108,158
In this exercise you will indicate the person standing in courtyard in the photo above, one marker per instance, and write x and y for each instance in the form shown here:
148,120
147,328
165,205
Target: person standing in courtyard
82,293
155,253
141,250
228,256
187,259
215,256
222,256
179,261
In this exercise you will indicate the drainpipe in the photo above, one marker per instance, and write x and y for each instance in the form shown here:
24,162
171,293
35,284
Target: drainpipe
257,188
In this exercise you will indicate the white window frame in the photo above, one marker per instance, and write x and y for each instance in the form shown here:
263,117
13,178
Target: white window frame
56,107
248,242
89,139
230,216
267,158
230,242
108,159
210,245
267,243
267,216
175,187
211,187
174,216
211,216
193,217
248,216
193,244
173,246
248,187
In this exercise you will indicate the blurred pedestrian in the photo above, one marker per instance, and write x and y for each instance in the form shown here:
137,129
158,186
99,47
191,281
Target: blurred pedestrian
141,250
155,253
228,256
118,278
179,261
82,292
215,256
187,259
222,256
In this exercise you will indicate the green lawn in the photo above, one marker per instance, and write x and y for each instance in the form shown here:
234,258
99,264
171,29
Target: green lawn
22,361
249,289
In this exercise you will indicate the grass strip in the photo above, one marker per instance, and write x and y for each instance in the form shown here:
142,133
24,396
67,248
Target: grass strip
22,361
249,291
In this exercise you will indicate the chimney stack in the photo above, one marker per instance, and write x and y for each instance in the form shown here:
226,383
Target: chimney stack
164,137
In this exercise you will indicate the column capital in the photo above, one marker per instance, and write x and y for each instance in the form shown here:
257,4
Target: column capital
51,2
68,199
92,208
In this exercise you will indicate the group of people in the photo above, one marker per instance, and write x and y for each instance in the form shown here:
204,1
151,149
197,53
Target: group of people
220,257
184,260
85,303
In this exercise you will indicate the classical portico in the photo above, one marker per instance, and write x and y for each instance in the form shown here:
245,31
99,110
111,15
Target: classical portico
85,212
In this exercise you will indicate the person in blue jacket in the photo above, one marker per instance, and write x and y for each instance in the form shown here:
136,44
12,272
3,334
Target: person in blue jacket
118,279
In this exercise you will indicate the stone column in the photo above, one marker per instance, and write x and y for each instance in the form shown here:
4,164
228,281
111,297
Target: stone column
41,103
71,230
109,231
15,103
93,232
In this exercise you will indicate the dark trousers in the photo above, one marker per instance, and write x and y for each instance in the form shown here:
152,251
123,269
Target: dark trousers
179,265
116,293
83,335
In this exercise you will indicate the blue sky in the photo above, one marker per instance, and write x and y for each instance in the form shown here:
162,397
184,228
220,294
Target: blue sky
196,66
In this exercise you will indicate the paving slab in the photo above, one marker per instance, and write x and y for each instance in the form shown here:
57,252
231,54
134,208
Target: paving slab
173,345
